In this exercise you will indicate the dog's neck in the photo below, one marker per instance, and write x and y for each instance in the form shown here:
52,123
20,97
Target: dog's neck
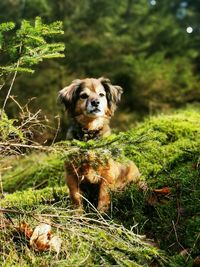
88,128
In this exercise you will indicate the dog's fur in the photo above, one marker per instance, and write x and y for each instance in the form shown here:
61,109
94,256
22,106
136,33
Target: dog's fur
90,104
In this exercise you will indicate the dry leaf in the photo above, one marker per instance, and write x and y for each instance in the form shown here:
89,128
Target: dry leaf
55,244
40,237
184,252
162,191
26,230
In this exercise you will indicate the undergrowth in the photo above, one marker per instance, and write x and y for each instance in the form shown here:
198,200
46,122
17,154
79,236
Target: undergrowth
90,239
167,151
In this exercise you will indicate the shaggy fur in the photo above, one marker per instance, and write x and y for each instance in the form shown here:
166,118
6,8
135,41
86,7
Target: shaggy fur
90,104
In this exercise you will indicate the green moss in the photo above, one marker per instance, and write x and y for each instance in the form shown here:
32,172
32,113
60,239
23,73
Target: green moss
37,170
8,130
171,159
87,240
156,146
30,198
167,151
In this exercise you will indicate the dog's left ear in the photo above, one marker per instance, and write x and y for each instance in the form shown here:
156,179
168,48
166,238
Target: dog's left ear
68,94
113,92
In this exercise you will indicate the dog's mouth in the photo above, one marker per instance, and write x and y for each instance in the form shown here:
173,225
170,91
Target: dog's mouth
94,110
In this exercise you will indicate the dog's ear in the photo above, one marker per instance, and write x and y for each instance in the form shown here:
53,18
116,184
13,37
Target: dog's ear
113,93
69,94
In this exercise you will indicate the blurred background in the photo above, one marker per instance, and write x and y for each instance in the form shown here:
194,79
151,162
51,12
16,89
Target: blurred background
149,47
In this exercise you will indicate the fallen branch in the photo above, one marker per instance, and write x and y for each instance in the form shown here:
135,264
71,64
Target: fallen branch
7,144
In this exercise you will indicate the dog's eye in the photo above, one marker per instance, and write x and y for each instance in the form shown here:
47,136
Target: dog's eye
84,96
101,94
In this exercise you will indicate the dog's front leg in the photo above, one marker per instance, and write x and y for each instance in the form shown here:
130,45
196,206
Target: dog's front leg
104,197
74,191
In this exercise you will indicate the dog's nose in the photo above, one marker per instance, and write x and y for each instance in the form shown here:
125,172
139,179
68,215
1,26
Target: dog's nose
95,102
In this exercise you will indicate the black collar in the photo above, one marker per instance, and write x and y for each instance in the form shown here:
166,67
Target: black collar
84,134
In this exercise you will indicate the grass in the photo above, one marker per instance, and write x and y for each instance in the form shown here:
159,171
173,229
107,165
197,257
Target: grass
89,239
166,149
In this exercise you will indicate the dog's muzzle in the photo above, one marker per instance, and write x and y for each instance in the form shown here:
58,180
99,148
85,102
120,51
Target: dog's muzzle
95,103
94,107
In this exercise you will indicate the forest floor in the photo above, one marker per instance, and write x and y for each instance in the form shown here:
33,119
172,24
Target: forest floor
156,227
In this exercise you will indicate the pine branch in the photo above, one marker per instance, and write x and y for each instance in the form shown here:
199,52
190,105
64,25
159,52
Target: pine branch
29,45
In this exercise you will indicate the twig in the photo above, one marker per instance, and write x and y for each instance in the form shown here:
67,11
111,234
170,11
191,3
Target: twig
25,146
11,211
11,86
57,130
14,100
100,215
189,254
1,86
30,119
174,227
5,210
36,217
1,184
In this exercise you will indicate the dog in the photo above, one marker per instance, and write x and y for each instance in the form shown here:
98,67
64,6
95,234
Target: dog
90,104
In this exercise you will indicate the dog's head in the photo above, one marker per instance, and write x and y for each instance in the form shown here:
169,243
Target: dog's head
91,97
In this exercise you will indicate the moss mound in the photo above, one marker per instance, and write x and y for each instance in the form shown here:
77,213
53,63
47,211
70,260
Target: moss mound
170,161
37,170
167,151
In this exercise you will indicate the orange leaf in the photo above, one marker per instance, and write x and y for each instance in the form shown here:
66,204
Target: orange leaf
162,191
24,228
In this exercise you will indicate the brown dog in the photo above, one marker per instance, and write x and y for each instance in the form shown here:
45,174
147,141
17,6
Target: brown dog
91,104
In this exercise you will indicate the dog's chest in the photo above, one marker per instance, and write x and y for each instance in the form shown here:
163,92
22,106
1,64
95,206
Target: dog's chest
89,174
